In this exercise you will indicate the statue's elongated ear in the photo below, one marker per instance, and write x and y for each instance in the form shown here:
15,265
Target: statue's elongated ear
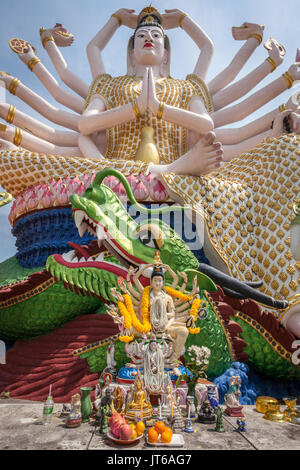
165,67
130,63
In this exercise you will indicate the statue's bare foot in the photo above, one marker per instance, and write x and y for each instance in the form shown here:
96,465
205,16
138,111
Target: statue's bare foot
204,157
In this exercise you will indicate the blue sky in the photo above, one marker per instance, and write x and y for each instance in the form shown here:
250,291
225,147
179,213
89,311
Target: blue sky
84,19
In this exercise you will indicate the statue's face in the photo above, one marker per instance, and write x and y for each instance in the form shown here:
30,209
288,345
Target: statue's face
149,46
157,283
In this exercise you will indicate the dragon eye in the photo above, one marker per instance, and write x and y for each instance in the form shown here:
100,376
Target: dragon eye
150,235
147,239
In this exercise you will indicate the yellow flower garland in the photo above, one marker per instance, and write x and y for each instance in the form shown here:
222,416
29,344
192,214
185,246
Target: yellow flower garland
130,319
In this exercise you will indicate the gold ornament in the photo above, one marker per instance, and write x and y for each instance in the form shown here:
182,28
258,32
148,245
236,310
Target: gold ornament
11,114
14,85
256,36
147,151
32,63
18,137
272,63
47,39
288,78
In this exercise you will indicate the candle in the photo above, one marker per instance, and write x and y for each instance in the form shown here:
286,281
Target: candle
141,408
171,393
159,401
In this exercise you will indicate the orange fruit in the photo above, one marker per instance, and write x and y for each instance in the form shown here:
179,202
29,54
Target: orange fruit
160,427
152,435
140,428
134,434
132,426
166,436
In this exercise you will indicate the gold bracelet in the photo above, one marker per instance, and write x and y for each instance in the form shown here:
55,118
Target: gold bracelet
18,137
160,110
136,109
272,63
282,108
181,19
46,39
14,85
11,114
3,127
288,78
256,36
32,63
117,18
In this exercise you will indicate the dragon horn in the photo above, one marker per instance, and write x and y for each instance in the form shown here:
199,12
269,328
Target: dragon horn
6,198
112,172
241,288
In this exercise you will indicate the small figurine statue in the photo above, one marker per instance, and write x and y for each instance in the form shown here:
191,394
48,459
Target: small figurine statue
105,412
219,424
110,360
74,418
178,425
118,399
66,410
233,407
139,403
206,414
103,384
241,423
212,395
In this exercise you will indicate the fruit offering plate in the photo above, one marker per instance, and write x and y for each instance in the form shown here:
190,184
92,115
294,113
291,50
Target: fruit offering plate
121,441
177,441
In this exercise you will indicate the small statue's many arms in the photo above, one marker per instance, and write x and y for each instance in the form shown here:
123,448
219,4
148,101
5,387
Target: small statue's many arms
157,310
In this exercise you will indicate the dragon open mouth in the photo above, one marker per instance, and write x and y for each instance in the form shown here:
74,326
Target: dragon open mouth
99,252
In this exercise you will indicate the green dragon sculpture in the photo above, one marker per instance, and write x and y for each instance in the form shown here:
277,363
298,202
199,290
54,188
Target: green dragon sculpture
80,281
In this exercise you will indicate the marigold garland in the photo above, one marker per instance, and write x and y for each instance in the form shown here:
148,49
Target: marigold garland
194,308
130,319
194,331
126,339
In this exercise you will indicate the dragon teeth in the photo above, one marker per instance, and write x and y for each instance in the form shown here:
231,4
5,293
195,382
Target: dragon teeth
100,257
78,217
82,229
69,255
101,235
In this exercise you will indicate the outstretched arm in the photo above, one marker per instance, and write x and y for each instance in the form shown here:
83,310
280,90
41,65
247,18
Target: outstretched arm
258,99
58,137
58,116
52,39
98,43
174,18
34,144
61,96
231,136
253,34
247,83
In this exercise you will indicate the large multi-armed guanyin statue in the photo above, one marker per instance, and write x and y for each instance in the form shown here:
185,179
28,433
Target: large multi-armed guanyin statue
153,139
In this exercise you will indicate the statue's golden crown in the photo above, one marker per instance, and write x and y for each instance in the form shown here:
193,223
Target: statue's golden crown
149,15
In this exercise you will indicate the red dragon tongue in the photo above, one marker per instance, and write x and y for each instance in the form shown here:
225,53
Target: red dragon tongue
81,251
298,55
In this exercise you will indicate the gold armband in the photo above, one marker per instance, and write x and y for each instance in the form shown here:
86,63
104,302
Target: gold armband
32,63
282,108
136,109
160,110
181,19
11,114
14,85
3,127
46,39
288,78
256,36
117,18
18,137
272,63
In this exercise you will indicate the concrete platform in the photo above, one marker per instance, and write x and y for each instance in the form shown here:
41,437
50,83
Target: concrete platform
21,428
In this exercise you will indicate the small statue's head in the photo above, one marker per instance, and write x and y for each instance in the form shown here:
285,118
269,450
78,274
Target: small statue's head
157,279
149,45
153,346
